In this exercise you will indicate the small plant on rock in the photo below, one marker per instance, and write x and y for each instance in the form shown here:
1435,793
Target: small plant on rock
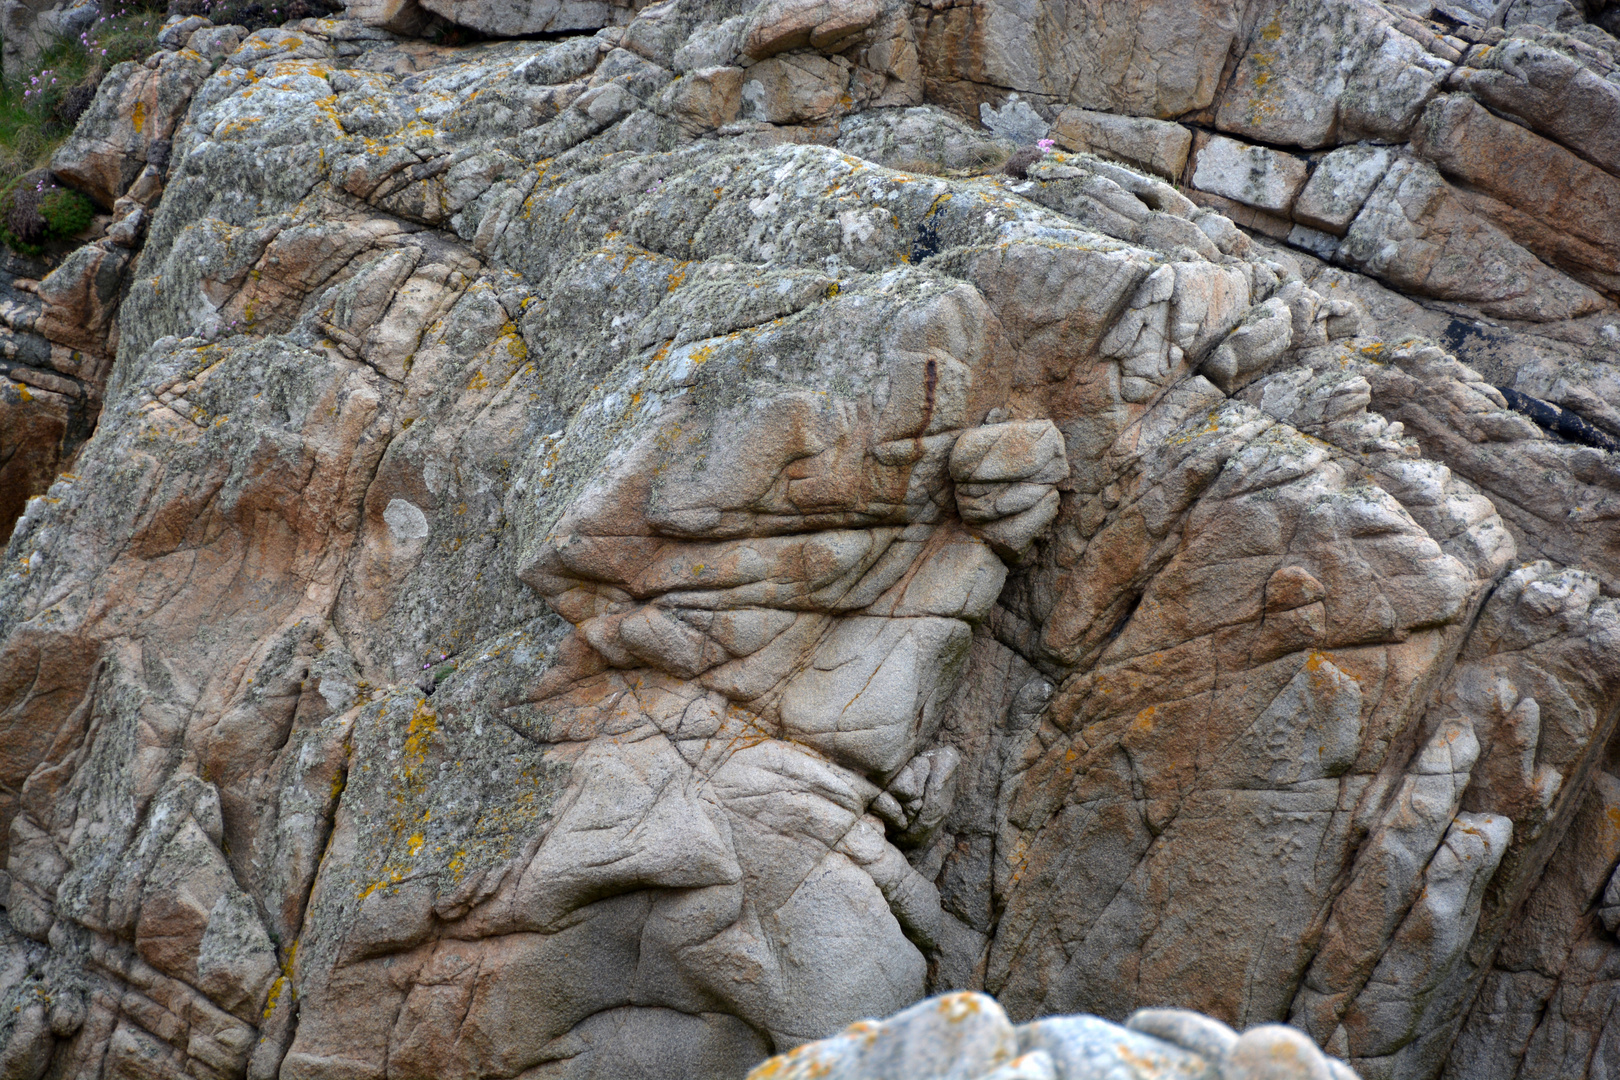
35,210
1018,164
65,212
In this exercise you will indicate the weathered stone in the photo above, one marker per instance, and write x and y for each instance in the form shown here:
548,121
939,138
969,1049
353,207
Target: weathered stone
1415,233
527,17
795,88
1145,58
1255,221
1315,74
968,1037
1206,1037
398,16
1253,175
926,139
136,108
1554,94
574,578
1275,1052
1340,185
1016,121
955,1037
1264,335
1149,144
81,297
1536,178
778,25
706,99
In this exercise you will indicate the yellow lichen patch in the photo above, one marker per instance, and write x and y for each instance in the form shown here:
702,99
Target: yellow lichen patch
237,127
275,995
959,1007
418,733
394,878
478,382
513,341
137,118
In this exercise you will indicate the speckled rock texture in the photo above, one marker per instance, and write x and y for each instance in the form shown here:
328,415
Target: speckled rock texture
967,1036
628,546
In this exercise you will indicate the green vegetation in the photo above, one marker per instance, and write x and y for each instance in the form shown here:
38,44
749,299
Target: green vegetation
65,212
34,210
38,112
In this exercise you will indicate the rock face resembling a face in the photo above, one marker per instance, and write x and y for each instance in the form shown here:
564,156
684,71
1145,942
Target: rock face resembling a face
771,599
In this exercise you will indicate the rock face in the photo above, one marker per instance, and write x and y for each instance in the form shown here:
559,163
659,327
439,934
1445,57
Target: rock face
625,553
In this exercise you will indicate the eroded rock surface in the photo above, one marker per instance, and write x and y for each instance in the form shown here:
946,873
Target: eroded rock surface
968,1036
634,549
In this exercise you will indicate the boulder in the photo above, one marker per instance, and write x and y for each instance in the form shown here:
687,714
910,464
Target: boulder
1256,176
1416,233
966,1036
505,19
133,117
778,25
1153,145
1317,74
1148,58
1340,185
398,16
1537,179
1551,92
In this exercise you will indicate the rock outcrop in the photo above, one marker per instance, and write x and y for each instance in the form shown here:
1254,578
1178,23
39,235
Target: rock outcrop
968,1036
626,551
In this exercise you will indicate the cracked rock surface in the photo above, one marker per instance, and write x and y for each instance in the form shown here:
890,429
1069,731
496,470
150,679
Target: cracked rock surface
628,546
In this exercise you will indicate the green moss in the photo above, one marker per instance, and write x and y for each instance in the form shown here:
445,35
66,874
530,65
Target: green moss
65,212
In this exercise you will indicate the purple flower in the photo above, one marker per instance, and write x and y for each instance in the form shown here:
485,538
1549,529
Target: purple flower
1046,145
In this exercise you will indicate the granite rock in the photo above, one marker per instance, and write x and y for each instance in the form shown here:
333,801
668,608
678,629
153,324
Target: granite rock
632,545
